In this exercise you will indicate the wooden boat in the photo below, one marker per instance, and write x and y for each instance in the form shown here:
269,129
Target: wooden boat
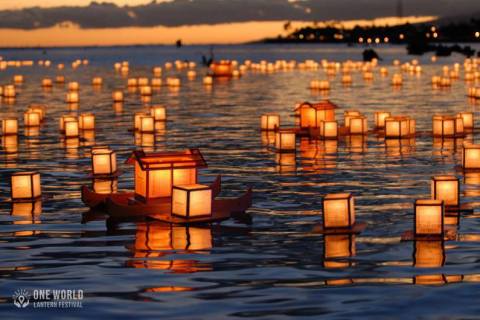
121,206
98,200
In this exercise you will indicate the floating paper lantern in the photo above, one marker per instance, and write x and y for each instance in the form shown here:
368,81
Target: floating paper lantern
9,91
157,71
329,129
358,125
143,81
73,86
446,126
312,114
86,121
447,189
347,115
25,186
398,127
338,210
191,74
173,82
156,173
47,83
467,117
9,126
132,82
429,215
97,81
270,122
71,128
320,85
191,201
104,162
347,79
145,90
285,140
117,96
397,80
471,156
222,68
31,119
137,119
60,79
159,113
18,79
368,76
380,117
72,97
65,118
156,82
147,124
208,80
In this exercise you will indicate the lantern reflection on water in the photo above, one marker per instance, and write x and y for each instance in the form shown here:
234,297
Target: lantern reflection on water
117,96
446,189
25,186
105,186
429,254
337,246
270,122
72,97
429,218
28,209
156,173
338,211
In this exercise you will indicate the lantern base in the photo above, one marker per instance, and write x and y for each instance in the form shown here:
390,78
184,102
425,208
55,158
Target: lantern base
357,228
116,174
456,210
450,233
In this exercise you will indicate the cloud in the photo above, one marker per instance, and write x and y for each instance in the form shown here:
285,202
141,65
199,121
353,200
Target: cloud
194,12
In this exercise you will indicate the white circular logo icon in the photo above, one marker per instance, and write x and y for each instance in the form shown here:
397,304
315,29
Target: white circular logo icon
21,298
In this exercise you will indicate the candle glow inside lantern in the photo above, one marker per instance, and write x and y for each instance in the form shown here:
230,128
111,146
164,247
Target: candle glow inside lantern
445,126
380,117
447,189
312,114
47,83
71,128
329,129
25,186
73,86
117,96
338,211
429,218
38,108
269,122
190,201
146,90
398,127
285,140
86,121
9,91
467,117
104,162
471,156
159,113
72,97
347,115
147,124
97,81
31,119
208,80
65,118
9,126
156,173
358,125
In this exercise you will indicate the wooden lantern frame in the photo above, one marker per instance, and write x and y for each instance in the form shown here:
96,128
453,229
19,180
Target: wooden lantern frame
401,125
4,126
364,127
465,149
278,140
189,191
429,203
31,174
266,119
112,162
380,118
445,178
348,197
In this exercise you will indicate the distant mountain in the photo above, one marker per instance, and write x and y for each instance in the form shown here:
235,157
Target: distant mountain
193,12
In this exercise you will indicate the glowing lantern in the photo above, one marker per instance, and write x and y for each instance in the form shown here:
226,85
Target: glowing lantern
467,118
25,186
358,125
9,126
86,121
9,91
222,68
429,216
18,79
208,80
338,210
31,119
117,96
157,71
445,126
397,80
73,86
132,82
380,117
347,115
65,118
397,127
71,128
147,124
97,81
329,129
156,82
191,74
72,97
270,122
346,79
60,79
39,109
285,140
447,189
159,113
173,82
47,83
312,114
137,119
145,90
471,156
156,173
190,201
104,162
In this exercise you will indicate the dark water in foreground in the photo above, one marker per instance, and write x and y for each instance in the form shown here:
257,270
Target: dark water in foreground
273,267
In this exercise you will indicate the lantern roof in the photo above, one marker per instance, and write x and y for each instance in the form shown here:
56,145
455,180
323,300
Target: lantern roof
322,105
191,158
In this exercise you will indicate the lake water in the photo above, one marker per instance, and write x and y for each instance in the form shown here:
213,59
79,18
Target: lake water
272,267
